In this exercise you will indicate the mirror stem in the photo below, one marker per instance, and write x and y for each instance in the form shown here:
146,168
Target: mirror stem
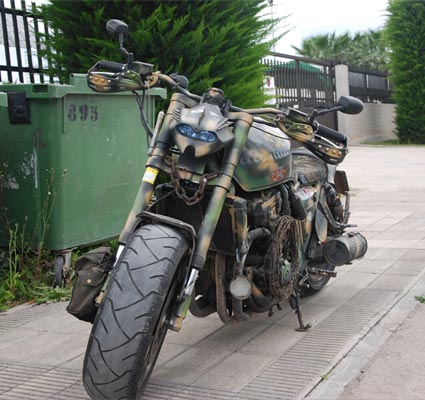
121,40
316,113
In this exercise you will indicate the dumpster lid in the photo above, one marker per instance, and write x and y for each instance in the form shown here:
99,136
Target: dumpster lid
77,85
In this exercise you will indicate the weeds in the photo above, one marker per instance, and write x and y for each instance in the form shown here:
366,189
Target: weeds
12,287
421,299
44,294
26,270
19,282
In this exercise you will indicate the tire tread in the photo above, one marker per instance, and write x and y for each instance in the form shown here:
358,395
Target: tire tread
128,314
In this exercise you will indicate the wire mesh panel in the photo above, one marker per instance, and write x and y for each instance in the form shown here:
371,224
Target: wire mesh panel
21,28
299,81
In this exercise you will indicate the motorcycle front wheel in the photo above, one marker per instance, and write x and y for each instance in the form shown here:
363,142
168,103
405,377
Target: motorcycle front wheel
130,327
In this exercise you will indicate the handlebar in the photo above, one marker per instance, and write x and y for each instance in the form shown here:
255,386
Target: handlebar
176,85
329,133
111,66
321,130
179,83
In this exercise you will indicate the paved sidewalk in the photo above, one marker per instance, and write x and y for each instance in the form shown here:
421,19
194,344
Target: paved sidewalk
388,362
42,347
398,369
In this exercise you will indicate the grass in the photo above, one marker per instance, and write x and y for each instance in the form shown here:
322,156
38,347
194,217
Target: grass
44,294
27,272
27,275
26,269
421,299
325,377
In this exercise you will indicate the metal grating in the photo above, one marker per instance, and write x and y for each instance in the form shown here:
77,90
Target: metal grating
287,377
35,382
10,320
312,356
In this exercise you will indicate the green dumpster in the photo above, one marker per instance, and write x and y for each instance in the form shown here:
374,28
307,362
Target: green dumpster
71,161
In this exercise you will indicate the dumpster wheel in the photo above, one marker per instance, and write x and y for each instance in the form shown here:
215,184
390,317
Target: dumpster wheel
62,268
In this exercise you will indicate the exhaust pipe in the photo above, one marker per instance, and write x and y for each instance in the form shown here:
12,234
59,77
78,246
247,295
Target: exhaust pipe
344,249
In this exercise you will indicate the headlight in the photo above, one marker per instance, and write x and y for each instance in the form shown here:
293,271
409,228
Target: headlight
203,136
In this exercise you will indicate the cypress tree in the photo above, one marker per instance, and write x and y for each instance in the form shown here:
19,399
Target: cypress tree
405,31
212,42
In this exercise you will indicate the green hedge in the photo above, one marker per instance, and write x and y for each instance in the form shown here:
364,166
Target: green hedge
212,42
405,32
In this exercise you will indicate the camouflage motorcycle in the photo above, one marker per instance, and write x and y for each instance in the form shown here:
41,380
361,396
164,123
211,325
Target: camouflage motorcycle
244,222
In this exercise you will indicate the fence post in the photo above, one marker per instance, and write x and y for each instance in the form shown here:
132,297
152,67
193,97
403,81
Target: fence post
342,88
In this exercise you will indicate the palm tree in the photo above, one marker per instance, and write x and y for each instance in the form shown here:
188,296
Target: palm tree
325,47
363,49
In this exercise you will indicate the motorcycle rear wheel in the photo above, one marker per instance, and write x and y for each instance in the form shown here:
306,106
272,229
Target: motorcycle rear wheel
316,282
130,328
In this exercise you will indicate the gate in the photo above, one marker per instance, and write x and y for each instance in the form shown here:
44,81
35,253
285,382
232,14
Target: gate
20,45
301,82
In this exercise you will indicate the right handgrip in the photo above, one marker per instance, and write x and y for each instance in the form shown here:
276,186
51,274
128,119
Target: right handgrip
111,66
331,134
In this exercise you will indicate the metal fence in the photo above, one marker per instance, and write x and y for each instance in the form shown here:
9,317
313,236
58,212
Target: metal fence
20,44
369,86
300,81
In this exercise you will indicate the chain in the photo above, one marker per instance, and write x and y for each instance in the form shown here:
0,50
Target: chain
285,246
181,192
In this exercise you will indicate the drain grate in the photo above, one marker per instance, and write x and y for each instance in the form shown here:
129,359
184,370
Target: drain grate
304,363
285,378
311,356
10,320
166,392
35,382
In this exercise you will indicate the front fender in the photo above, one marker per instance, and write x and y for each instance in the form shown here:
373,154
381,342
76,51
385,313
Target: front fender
188,230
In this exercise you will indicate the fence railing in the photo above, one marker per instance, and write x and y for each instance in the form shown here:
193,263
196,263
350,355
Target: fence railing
20,45
300,81
369,86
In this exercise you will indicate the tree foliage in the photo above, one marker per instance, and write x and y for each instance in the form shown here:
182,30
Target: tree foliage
213,42
405,31
362,49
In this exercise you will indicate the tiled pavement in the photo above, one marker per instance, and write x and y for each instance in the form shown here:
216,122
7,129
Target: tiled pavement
41,348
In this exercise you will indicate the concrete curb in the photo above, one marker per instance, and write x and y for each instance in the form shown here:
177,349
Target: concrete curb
357,354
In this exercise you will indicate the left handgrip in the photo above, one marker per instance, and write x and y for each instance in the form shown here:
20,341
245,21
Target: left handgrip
111,66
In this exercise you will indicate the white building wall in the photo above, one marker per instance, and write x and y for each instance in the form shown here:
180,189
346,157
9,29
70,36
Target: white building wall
374,124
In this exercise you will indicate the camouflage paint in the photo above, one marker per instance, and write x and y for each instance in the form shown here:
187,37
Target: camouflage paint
241,128
156,160
265,161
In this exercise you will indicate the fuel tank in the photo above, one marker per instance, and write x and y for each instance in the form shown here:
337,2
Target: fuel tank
266,160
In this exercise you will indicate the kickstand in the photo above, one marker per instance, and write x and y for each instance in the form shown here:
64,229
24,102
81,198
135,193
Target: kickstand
294,301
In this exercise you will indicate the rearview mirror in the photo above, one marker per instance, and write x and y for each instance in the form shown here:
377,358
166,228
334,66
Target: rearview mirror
115,28
349,105
119,29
